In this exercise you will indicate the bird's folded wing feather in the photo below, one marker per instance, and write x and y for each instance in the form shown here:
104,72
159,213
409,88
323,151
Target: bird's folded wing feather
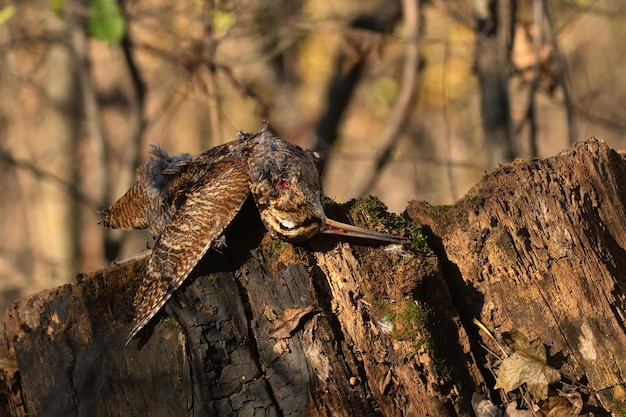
209,207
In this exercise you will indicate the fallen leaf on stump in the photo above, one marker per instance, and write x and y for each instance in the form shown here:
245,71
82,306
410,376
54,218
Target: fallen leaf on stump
565,405
288,321
526,365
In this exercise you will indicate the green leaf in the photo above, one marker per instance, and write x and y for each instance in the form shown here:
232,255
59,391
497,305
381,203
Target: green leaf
105,21
6,13
223,19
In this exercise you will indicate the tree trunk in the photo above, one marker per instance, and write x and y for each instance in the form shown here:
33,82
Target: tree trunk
343,328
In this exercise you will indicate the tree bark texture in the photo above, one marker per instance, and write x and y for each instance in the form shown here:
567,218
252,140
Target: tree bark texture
540,246
342,328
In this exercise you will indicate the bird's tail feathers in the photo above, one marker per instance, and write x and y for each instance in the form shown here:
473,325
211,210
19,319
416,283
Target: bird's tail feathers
146,313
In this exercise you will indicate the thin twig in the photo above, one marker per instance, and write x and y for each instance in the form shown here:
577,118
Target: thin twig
354,156
446,124
95,133
131,159
71,189
137,120
211,77
530,115
192,61
605,122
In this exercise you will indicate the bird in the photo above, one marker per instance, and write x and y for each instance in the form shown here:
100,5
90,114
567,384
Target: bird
186,202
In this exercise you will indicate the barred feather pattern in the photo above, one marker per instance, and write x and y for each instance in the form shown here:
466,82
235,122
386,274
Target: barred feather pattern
148,203
208,208
132,210
188,201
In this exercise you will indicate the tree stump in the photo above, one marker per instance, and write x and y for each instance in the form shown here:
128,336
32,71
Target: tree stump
346,327
539,246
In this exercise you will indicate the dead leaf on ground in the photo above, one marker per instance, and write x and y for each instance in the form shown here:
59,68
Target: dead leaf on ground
526,365
564,405
287,321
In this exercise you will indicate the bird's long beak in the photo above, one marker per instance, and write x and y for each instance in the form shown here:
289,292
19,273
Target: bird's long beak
333,227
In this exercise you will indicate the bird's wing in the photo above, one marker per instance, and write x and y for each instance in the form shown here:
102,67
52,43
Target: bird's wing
147,203
209,207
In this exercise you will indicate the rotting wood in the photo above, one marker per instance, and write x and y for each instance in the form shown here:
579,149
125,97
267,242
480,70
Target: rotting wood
537,246
217,357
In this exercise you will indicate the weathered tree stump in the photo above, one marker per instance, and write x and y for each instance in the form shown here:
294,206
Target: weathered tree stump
540,246
344,328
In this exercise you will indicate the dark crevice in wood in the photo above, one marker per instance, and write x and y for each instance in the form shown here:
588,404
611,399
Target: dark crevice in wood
466,299
254,346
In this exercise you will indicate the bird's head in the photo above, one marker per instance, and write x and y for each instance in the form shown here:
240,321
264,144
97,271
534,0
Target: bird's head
286,186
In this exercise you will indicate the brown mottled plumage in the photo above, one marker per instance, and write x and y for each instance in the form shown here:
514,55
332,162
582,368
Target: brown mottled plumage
187,201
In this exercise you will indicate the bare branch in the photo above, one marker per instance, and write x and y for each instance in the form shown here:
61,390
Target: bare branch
192,61
402,106
563,74
211,85
361,39
446,124
529,114
70,188
137,118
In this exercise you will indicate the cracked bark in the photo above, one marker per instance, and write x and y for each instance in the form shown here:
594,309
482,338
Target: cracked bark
536,245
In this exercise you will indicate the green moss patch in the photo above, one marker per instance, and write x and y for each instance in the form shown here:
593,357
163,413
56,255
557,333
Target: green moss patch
373,214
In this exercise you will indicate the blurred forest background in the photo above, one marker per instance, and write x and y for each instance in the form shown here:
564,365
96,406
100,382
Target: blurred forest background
406,99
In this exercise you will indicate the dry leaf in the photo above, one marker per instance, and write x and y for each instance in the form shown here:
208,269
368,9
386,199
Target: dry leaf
565,405
287,321
526,365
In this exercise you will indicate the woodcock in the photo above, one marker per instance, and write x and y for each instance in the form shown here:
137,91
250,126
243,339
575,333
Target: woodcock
187,201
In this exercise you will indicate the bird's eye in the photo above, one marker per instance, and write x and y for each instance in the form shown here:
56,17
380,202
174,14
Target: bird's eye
286,225
282,184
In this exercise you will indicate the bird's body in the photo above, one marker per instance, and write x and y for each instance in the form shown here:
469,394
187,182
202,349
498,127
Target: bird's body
187,201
